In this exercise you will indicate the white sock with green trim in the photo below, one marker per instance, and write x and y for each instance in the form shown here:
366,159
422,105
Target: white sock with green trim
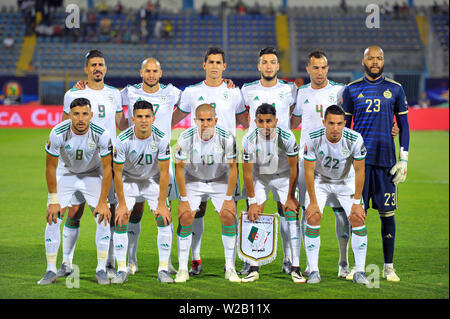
229,245
52,241
312,245
359,247
164,241
184,245
120,241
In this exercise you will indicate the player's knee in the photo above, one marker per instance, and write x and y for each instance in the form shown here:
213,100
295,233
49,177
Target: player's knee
185,218
314,219
357,220
228,217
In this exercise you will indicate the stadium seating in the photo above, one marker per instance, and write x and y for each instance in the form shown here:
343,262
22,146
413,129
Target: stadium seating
11,26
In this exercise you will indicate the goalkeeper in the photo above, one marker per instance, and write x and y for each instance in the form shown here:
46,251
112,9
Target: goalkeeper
373,101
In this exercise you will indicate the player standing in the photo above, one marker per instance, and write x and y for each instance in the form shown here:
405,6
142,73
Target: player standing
329,154
313,100
85,152
163,99
141,171
229,109
270,164
373,101
206,168
282,95
107,113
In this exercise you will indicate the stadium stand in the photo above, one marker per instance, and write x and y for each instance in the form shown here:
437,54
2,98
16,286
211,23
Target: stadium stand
11,27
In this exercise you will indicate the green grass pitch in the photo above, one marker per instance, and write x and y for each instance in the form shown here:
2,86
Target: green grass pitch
421,255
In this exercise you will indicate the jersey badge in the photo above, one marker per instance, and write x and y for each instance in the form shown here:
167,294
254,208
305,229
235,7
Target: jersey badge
345,153
387,94
91,145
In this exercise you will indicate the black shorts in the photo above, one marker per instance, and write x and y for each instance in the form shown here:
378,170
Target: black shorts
378,187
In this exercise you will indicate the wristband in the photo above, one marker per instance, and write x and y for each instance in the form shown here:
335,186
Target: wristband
53,198
251,200
228,197
357,202
183,198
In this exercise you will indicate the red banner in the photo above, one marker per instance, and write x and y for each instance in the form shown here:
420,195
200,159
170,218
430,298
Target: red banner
47,116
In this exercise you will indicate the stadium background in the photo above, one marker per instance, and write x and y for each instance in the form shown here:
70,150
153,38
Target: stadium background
41,58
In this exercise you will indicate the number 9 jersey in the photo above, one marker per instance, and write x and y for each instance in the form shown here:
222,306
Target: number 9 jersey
105,103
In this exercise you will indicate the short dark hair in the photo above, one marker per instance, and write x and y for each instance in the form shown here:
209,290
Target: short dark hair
142,105
81,101
268,50
93,54
266,108
214,50
317,54
334,109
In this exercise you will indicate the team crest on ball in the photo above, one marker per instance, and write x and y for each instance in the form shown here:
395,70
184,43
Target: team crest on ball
387,94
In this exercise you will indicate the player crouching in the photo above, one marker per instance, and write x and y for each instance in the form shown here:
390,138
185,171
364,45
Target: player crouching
205,167
330,154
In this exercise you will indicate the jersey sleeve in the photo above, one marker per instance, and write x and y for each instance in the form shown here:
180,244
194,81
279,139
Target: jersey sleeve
184,104
105,144
164,149
230,147
359,150
291,146
119,155
293,93
347,101
124,97
401,104
247,153
298,110
240,105
68,98
118,101
181,149
176,96
52,147
308,152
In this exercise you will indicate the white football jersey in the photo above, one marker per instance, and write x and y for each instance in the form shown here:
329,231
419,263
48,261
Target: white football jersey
269,156
282,95
206,160
140,156
105,103
334,161
163,102
227,102
312,104
79,154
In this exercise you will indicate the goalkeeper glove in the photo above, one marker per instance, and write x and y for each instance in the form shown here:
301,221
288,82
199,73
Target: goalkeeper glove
400,169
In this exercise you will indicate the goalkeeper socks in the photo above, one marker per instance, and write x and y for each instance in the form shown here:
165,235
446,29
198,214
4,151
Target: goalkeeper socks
164,241
294,236
359,246
312,245
388,237
134,230
120,241
71,232
342,227
184,244
229,244
52,241
102,239
197,233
